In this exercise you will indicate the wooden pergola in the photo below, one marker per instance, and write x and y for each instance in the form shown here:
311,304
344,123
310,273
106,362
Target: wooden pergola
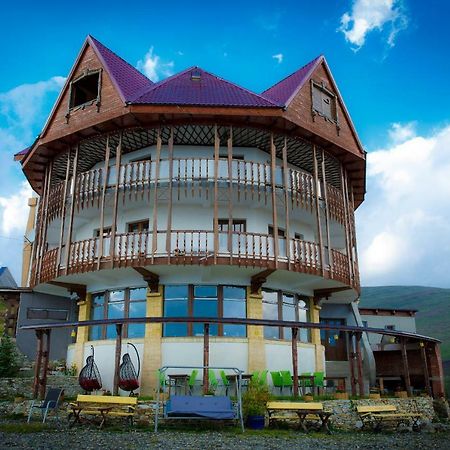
354,333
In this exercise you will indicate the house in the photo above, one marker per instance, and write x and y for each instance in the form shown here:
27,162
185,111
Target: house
195,198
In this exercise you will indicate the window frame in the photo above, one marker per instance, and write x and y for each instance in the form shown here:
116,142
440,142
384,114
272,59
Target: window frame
320,87
140,224
190,309
96,100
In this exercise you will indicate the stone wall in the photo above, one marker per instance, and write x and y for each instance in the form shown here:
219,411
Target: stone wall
23,387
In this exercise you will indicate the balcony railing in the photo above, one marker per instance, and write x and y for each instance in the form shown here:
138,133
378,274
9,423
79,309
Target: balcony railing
195,176
187,247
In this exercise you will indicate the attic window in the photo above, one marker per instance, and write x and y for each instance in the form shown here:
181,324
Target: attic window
324,102
85,90
196,75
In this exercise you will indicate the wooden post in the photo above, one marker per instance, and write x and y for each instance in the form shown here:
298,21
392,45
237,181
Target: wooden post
359,364
286,202
46,357
347,222
63,212
205,358
216,192
72,208
155,194
406,367
38,363
426,372
327,214
295,360
169,206
117,358
274,198
102,203
112,244
319,226
352,364
230,193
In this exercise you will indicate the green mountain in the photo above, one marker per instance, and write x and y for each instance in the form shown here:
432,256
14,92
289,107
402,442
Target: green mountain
432,304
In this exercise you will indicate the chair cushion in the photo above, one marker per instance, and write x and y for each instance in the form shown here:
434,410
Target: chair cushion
216,407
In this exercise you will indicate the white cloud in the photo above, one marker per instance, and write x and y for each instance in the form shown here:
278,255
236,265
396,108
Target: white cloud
14,211
153,67
400,133
278,57
368,15
404,223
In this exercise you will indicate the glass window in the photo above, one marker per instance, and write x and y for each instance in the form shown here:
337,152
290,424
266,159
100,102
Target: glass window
302,311
137,308
270,312
288,312
98,313
205,304
234,306
116,310
176,305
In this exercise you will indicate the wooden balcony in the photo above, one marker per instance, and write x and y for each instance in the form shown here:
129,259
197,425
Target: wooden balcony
195,177
189,247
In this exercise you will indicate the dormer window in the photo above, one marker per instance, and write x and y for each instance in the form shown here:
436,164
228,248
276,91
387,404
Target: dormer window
324,102
85,90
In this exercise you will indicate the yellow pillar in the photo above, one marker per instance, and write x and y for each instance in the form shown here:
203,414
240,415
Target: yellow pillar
84,313
319,349
27,246
152,358
255,334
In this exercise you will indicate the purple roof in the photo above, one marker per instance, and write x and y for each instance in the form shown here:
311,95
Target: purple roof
23,152
125,77
285,90
195,86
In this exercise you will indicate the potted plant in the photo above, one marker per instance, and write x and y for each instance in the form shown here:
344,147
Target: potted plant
254,401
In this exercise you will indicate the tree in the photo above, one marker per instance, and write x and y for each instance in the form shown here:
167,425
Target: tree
9,366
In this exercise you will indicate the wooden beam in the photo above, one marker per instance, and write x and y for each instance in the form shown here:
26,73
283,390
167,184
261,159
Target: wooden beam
38,363
216,193
112,244
152,279
318,220
359,364
257,280
426,372
274,199
352,362
117,358
327,214
325,293
286,183
45,360
155,194
295,360
79,289
205,358
405,367
170,201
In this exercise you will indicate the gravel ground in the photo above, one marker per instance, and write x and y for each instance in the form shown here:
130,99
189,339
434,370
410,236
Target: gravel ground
272,439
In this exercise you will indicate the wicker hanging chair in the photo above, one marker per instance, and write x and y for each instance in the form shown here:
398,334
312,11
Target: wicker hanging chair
128,377
89,378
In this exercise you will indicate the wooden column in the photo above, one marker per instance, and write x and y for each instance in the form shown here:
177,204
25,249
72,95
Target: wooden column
286,183
72,207
230,193
216,193
273,161
38,363
295,360
406,367
352,363
205,358
350,228
117,358
318,220
169,206
63,211
359,364
112,244
155,194
327,214
426,372
45,359
102,202
346,220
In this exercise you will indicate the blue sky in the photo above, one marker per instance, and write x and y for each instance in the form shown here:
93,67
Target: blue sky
387,56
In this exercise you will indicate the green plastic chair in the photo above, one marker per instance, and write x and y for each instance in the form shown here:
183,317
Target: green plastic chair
306,383
263,378
255,376
191,381
286,378
277,380
225,380
213,382
319,380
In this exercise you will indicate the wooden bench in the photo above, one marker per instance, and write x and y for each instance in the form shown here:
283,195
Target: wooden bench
103,406
306,413
375,416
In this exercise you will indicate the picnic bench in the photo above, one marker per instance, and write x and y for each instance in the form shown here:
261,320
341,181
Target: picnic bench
307,413
103,406
375,416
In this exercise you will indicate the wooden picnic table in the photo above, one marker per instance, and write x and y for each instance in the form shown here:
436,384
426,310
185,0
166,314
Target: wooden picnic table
77,409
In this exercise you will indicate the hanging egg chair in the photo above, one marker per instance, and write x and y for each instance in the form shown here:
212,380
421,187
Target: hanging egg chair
89,378
128,377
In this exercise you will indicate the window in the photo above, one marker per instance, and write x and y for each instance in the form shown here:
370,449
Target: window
204,301
44,313
85,90
238,225
138,227
389,327
278,305
118,304
299,236
106,232
225,156
324,102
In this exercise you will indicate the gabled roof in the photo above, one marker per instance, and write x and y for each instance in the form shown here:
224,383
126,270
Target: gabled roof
195,86
6,279
285,90
127,79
